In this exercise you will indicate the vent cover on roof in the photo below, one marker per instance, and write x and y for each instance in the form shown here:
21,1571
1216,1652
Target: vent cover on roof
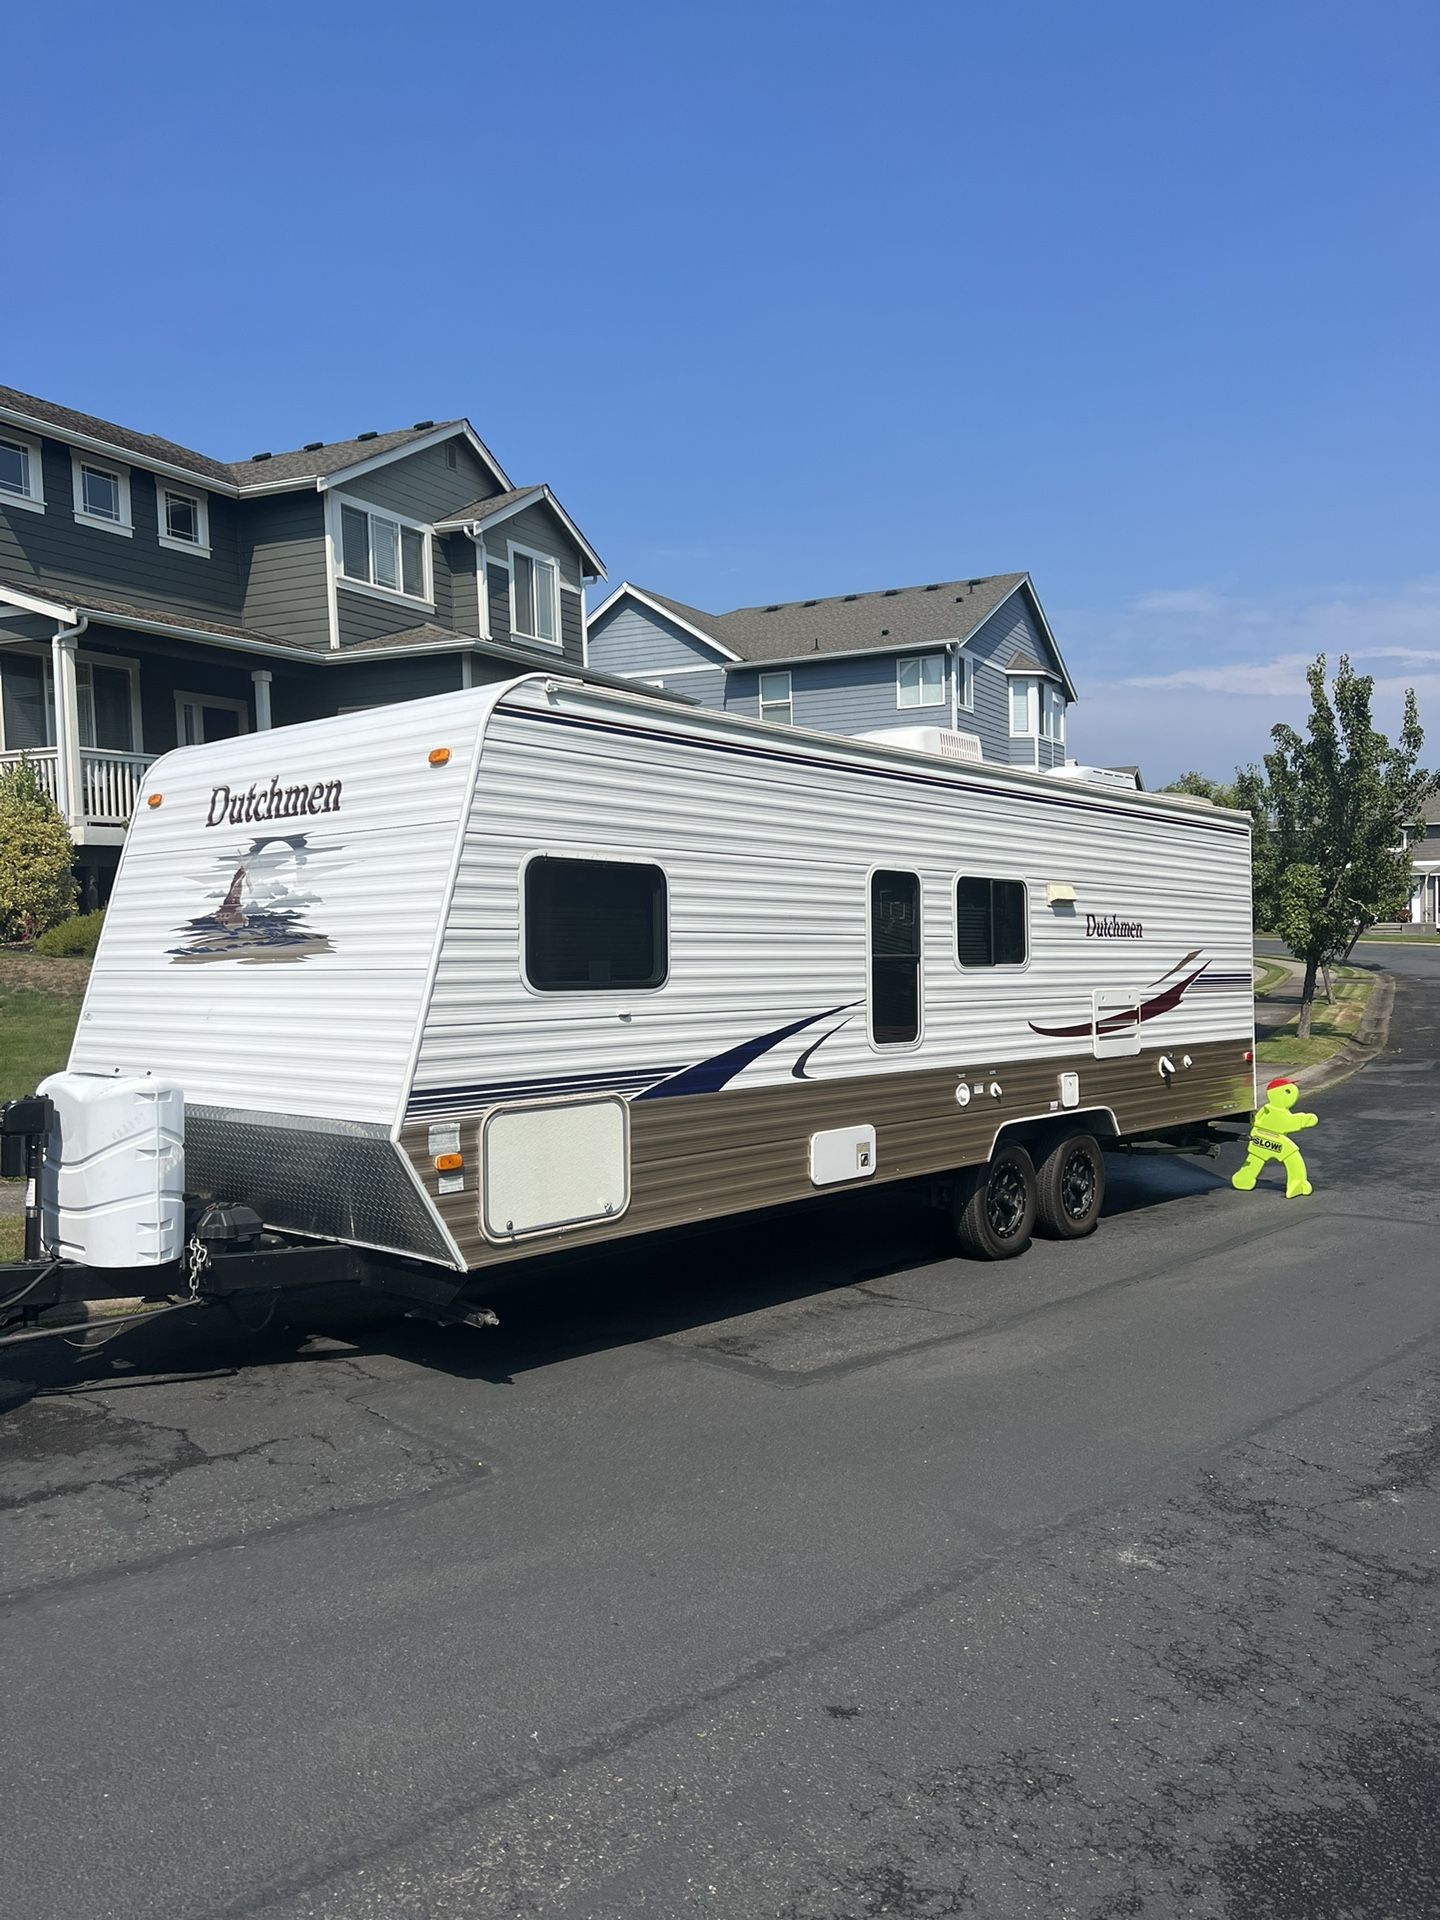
260,456
890,592
852,596
943,742
812,603
773,609
312,446
421,426
372,435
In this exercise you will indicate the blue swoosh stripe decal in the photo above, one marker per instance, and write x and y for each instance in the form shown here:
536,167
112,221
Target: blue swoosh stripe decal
709,1076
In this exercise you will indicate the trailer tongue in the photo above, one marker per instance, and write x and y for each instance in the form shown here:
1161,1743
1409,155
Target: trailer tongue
110,1220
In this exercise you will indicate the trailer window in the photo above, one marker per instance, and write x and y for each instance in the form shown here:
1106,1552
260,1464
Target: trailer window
990,926
894,958
594,925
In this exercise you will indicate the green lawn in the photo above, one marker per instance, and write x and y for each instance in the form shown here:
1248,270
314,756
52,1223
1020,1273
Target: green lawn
39,1002
1330,1027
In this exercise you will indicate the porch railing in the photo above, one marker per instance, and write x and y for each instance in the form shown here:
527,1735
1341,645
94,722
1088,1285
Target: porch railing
109,781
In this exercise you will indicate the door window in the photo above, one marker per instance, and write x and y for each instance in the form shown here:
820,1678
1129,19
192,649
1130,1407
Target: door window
894,959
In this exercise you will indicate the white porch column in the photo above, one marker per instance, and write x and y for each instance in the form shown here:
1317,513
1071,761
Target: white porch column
67,730
260,679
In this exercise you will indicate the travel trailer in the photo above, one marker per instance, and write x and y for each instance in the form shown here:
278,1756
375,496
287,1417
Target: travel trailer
450,984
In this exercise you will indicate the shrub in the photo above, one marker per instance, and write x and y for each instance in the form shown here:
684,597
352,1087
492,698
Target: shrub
37,888
78,937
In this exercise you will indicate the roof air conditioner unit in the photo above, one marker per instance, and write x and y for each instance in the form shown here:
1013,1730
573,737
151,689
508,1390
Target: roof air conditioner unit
944,742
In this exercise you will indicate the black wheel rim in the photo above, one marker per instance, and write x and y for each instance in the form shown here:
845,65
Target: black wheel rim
1077,1186
1005,1201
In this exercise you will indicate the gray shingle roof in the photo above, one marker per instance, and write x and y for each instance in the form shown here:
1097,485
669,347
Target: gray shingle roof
147,446
305,464
853,622
74,593
494,503
310,463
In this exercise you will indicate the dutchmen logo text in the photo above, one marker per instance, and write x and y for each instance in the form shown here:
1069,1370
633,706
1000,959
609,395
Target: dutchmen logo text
271,803
1099,926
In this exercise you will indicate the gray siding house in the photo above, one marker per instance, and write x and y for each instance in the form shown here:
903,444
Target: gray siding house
974,657
151,596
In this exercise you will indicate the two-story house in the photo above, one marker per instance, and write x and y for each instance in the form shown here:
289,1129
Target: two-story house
974,657
151,596
1424,845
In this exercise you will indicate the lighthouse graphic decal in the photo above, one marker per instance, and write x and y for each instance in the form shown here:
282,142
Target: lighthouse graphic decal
263,894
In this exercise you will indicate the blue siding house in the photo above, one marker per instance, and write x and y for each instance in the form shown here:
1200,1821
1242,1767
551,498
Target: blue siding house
152,596
974,657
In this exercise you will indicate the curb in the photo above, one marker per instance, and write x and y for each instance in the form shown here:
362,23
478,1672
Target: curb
1370,1038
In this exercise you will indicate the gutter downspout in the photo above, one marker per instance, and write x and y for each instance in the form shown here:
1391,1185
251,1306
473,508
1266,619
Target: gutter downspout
475,533
68,779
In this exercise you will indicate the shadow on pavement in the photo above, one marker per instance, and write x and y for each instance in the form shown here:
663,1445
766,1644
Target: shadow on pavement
561,1305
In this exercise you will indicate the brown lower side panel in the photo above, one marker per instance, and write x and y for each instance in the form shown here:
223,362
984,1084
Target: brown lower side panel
703,1156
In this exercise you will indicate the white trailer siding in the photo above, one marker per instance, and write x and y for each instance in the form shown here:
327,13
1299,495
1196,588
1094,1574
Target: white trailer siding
767,838
324,1028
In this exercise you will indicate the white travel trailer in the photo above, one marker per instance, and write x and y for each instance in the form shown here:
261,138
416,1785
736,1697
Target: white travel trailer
544,963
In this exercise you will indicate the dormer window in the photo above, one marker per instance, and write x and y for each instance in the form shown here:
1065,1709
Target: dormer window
534,596
382,553
21,475
184,520
102,495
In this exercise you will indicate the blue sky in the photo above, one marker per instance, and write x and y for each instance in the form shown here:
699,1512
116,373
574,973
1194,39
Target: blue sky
795,301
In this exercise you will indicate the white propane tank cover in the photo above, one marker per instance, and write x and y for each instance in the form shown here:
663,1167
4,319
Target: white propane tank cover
112,1187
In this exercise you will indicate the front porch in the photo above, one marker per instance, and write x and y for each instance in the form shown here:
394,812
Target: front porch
90,718
109,786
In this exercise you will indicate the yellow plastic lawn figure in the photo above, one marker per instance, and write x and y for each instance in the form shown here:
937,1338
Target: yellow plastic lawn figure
1269,1140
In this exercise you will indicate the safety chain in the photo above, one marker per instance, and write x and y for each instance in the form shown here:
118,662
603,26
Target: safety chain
197,1258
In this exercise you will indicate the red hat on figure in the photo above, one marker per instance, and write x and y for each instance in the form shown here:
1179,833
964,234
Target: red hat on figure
1283,1081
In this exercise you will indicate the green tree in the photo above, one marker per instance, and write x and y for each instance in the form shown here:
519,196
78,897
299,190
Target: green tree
37,887
1330,812
1204,788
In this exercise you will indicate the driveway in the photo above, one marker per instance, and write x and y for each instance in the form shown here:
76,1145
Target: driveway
794,1571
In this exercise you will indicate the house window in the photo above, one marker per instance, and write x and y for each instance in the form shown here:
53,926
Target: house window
894,959
1036,707
102,495
594,926
201,716
775,701
184,520
990,919
534,596
920,682
964,683
103,695
21,473
379,551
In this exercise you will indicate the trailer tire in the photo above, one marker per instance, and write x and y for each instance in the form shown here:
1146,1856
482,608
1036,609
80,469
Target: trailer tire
995,1206
1070,1188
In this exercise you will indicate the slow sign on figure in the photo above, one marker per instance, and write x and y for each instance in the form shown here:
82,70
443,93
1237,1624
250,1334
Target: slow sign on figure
1269,1140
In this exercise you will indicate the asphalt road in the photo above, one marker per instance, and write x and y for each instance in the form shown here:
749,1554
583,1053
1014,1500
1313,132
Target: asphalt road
790,1572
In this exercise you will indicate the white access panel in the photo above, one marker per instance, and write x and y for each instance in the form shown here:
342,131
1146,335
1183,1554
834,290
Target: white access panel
112,1188
1117,1022
841,1153
560,1165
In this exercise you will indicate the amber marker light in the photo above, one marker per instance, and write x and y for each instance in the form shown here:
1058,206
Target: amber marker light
439,755
448,1162
154,799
